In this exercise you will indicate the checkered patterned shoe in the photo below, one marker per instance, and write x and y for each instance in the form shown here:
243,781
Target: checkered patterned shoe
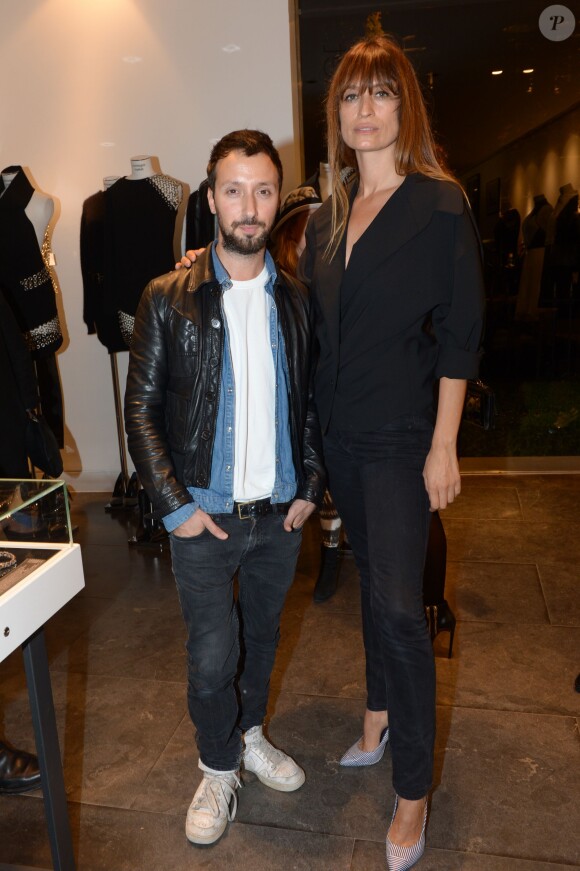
357,758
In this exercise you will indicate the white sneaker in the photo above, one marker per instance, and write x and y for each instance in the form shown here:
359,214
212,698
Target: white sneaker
270,765
214,805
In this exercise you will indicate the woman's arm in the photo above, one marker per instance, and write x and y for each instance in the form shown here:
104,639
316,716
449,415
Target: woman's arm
441,471
458,327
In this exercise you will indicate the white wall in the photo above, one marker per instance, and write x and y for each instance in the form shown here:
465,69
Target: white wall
85,85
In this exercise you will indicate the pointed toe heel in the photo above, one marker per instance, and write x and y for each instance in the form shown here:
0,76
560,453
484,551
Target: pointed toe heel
357,758
402,858
440,618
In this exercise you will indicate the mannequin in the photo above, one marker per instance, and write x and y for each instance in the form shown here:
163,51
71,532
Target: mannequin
143,166
92,250
25,214
563,238
142,211
27,282
39,210
535,224
567,193
534,230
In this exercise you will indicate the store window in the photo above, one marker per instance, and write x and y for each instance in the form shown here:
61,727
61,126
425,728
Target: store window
502,85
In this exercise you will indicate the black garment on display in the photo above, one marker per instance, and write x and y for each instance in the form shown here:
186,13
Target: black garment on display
313,182
92,248
535,225
566,245
140,218
506,233
24,274
51,399
199,219
563,238
19,392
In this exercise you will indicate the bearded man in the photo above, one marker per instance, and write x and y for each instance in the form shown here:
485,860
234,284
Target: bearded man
225,439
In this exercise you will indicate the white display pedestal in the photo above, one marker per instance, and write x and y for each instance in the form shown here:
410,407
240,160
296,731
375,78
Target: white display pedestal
47,576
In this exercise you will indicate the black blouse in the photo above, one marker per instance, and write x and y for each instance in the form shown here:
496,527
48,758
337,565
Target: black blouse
406,311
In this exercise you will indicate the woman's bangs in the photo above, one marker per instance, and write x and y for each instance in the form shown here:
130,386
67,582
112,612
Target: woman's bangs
364,72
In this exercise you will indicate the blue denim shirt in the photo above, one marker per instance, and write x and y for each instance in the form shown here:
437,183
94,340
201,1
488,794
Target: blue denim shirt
218,497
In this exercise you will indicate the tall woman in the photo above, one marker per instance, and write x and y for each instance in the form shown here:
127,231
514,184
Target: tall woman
394,268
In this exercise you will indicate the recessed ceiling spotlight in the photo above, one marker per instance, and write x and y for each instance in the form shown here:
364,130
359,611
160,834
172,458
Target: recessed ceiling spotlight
496,72
527,72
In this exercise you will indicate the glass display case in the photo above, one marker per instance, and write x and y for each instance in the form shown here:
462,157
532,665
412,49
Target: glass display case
40,566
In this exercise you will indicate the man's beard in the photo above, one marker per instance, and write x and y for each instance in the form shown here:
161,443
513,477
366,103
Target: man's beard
243,244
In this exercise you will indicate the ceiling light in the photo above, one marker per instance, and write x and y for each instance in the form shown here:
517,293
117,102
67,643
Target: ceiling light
496,72
527,72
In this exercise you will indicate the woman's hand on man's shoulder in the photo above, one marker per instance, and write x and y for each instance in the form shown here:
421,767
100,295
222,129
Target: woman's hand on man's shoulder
189,258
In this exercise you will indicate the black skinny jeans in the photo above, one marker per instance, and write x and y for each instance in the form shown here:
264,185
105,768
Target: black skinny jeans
264,555
375,479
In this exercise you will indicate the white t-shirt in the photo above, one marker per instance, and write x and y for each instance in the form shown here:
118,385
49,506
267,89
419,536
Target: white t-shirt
247,309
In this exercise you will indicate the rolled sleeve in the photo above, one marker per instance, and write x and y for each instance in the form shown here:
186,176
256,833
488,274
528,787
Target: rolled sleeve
458,324
457,363
176,518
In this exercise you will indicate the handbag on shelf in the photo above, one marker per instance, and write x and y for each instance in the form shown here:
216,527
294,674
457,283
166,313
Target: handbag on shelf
480,406
42,446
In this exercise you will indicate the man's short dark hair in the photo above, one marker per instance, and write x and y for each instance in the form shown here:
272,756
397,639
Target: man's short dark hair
249,142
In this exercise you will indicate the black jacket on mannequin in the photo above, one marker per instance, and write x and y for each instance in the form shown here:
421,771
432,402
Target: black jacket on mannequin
199,219
92,248
24,275
140,215
19,392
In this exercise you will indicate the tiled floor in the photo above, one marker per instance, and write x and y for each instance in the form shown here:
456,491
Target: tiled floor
507,794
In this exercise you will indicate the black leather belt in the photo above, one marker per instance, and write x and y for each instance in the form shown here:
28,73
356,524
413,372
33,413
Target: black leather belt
260,508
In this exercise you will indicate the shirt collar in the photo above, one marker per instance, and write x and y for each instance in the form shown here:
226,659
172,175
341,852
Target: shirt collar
223,276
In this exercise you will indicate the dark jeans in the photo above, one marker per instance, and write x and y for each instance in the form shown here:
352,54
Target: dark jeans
375,479
204,569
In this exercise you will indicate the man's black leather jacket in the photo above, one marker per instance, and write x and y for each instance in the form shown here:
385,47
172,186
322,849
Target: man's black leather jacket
173,384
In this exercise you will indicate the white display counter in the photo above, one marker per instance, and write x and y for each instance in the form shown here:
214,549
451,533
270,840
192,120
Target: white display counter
40,571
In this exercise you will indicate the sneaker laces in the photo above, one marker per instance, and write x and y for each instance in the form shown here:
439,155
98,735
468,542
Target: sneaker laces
216,787
266,750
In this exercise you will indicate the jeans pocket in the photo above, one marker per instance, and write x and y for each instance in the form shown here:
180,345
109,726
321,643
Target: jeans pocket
205,531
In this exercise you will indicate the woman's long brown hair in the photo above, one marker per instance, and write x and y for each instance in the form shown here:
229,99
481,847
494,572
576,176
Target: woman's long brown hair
377,60
285,241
